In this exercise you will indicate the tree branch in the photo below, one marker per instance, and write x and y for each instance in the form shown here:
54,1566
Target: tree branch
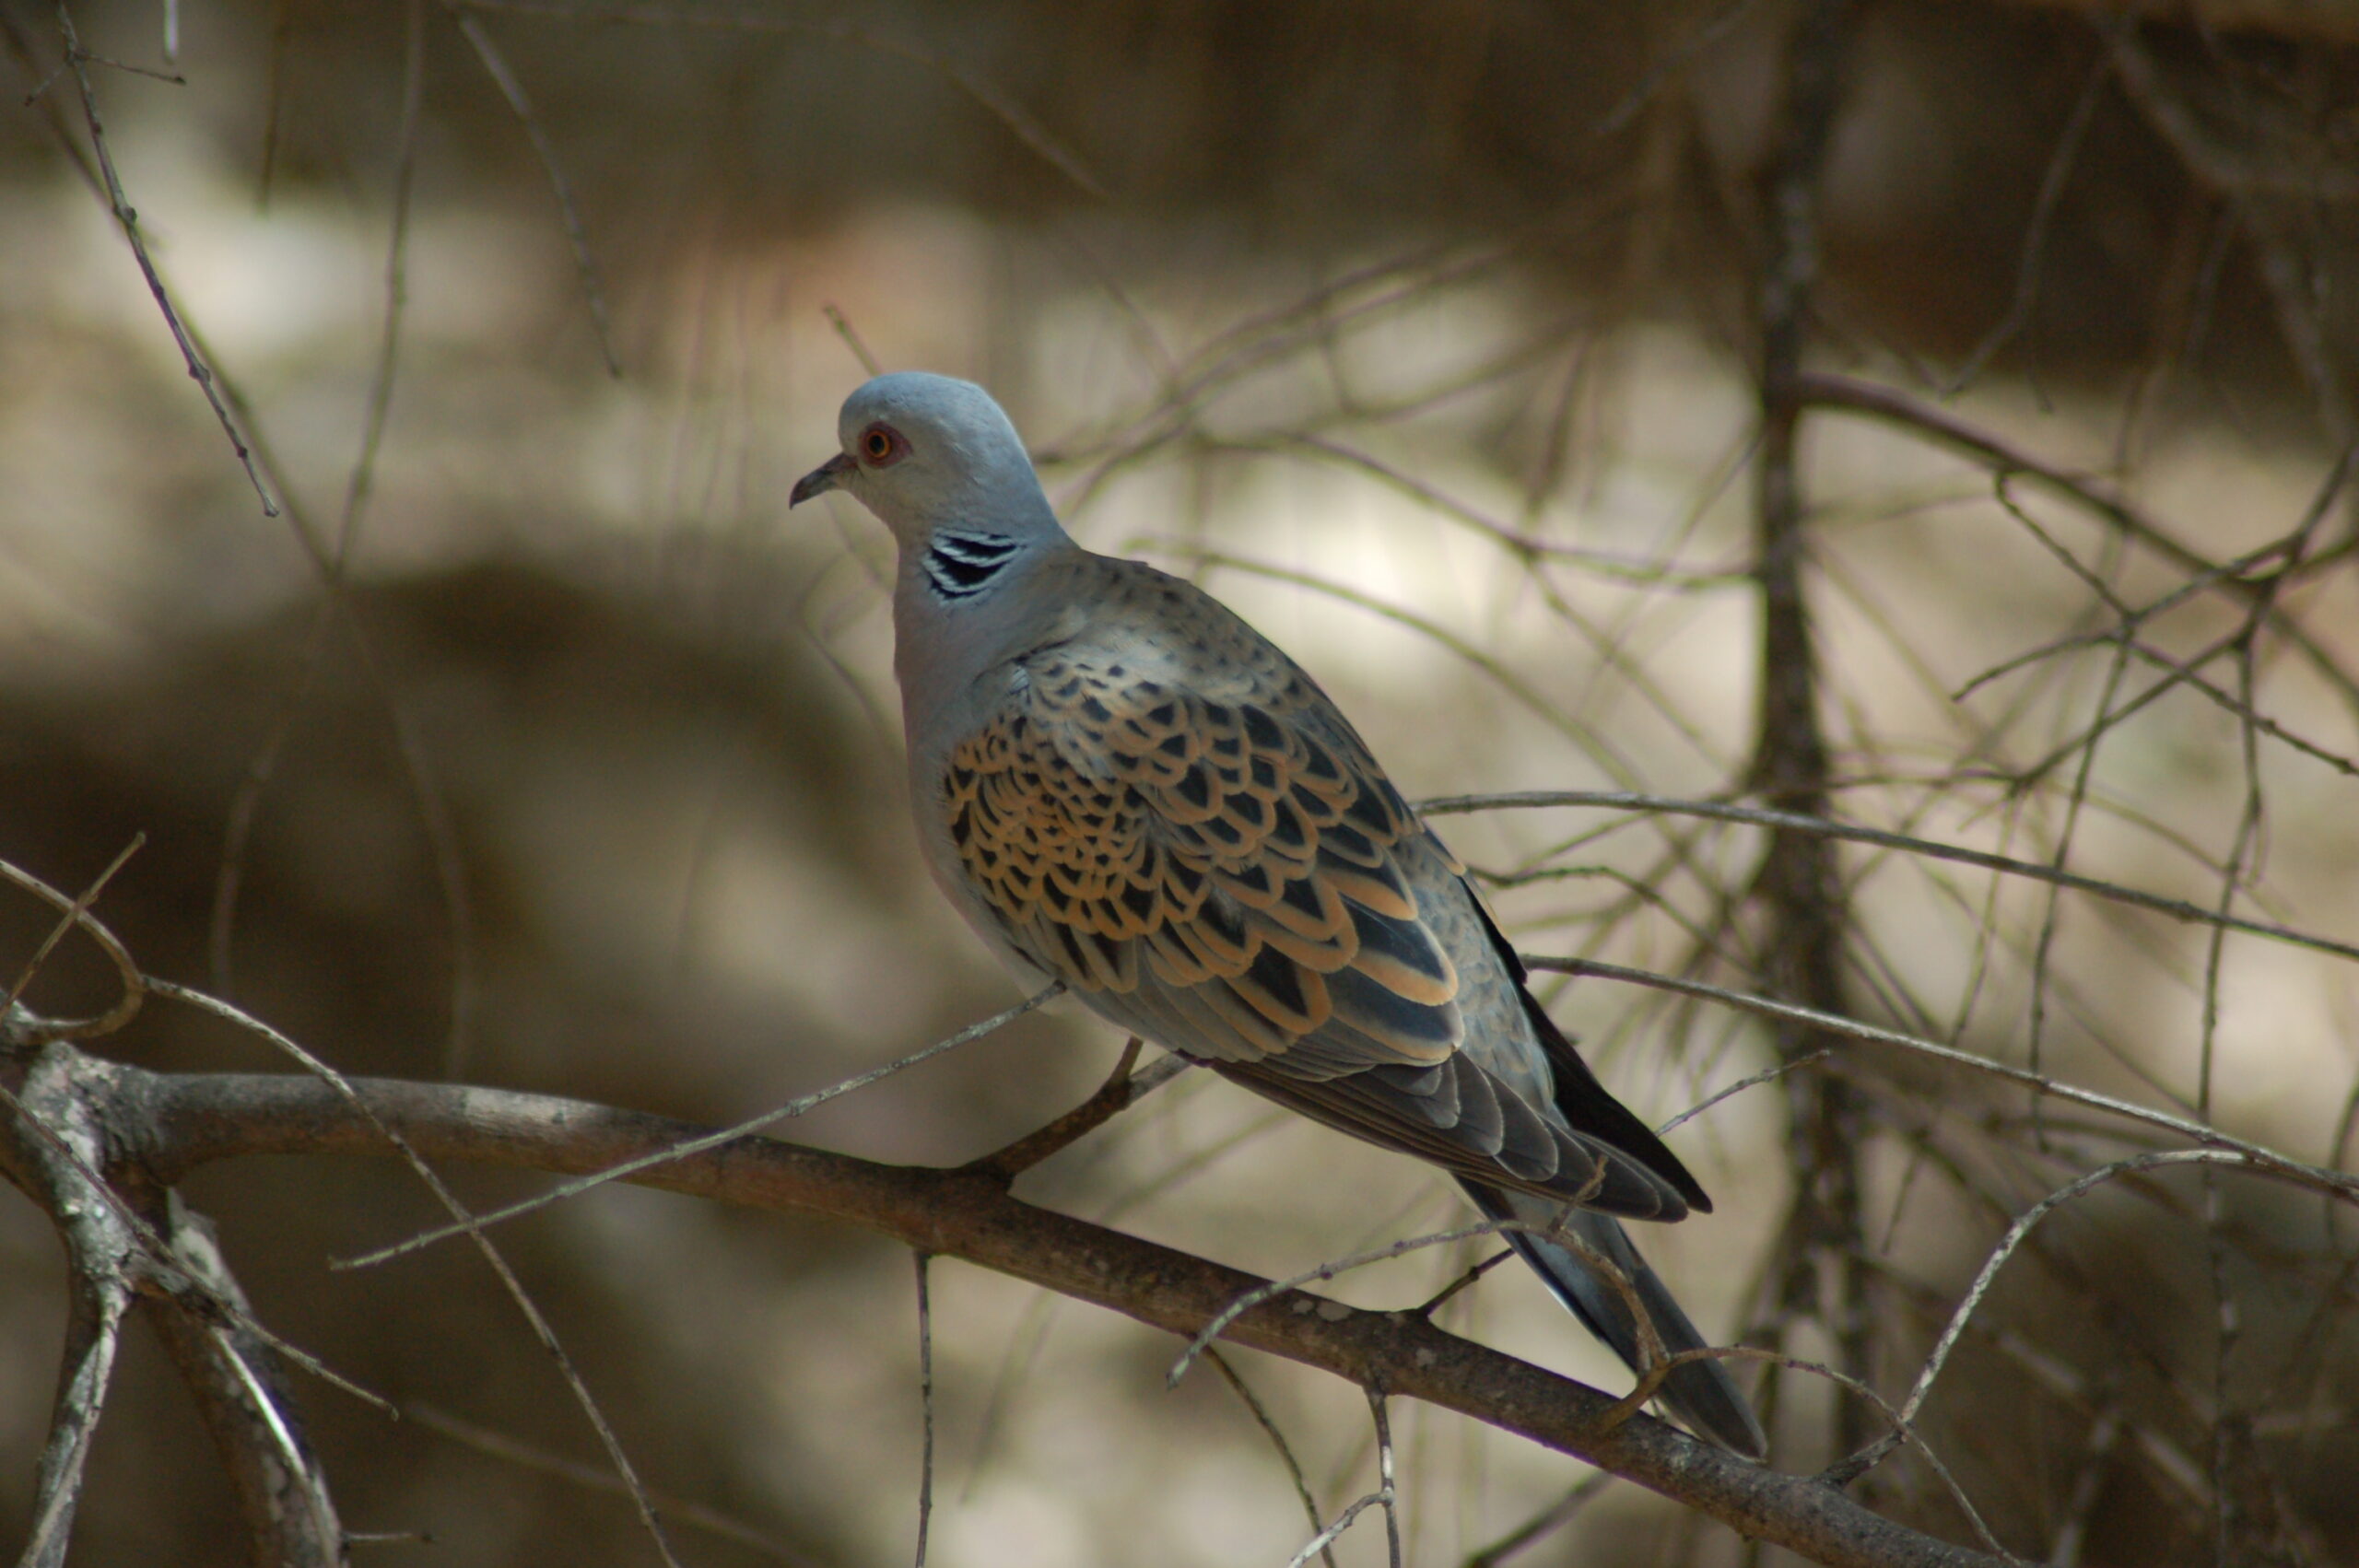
65,1124
1798,884
169,1125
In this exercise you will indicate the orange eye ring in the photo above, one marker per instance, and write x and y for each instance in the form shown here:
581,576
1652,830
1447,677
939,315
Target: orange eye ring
881,445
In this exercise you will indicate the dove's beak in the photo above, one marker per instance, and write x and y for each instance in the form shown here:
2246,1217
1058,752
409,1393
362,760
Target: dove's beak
822,479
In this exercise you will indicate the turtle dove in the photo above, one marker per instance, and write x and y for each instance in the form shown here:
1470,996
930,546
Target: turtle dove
1122,786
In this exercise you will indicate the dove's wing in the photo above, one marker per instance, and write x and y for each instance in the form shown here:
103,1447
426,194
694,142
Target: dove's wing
1176,821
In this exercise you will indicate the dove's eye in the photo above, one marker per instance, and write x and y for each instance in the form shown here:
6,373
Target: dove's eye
882,446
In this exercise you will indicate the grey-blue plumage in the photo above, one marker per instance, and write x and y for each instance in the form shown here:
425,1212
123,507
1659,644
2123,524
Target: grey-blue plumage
1122,786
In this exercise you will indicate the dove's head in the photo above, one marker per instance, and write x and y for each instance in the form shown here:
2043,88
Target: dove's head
927,452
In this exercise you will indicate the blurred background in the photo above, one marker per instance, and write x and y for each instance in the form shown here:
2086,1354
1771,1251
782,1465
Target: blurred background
1423,335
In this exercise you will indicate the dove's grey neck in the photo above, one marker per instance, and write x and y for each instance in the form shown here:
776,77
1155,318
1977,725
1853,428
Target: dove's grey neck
967,600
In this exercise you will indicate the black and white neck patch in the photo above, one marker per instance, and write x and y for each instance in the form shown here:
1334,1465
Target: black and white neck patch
961,565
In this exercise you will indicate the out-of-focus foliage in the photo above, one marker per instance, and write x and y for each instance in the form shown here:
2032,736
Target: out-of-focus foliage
1421,333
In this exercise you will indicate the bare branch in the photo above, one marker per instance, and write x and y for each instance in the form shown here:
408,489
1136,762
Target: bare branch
76,913
2023,1228
1792,822
77,60
1123,1089
97,1250
282,1489
925,1400
54,1146
1268,1425
1851,395
989,95
2335,1184
191,1121
1797,884
467,1224
630,1169
686,1511
1549,1519
585,264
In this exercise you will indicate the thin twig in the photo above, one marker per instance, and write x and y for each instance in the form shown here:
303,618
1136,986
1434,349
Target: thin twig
925,1400
1790,822
1767,1075
586,264
245,806
526,1456
124,214
997,103
193,1120
1541,1525
102,1297
76,911
1698,41
64,1130
1797,884
2022,1228
282,36
1850,395
2060,164
1268,1425
1123,1089
1320,1544
1387,1491
2337,1184
844,329
467,1224
1649,1342
564,1190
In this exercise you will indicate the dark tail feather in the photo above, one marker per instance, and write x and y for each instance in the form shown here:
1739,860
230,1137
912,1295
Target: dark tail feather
1700,1393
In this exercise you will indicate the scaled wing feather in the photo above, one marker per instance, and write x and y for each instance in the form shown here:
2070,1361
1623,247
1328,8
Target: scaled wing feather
1183,830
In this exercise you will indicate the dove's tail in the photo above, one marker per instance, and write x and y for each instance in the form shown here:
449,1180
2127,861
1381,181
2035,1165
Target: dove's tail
1701,1393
